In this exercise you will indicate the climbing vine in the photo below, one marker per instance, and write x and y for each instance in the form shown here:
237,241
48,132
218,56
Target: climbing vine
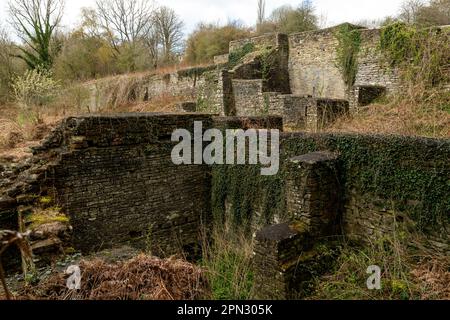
267,59
349,40
422,54
389,173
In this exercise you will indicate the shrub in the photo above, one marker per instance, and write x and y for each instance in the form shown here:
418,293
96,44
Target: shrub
34,88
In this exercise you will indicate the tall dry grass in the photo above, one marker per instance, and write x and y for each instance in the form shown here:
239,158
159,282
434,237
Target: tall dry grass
414,113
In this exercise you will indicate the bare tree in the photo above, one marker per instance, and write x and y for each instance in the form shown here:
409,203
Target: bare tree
261,12
152,41
409,10
124,21
35,22
6,64
170,30
437,12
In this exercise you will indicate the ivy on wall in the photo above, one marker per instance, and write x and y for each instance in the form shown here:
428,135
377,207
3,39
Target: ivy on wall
349,39
421,53
411,173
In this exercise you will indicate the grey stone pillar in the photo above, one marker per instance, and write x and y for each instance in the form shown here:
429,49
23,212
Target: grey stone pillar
276,252
312,192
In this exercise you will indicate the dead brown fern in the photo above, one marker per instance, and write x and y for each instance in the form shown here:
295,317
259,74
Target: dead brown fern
141,278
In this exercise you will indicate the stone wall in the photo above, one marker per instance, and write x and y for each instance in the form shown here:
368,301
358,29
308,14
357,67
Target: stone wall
387,182
114,178
371,69
111,92
119,184
312,65
267,40
249,97
362,187
307,63
313,68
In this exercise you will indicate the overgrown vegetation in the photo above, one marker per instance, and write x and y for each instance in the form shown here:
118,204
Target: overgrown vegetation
421,54
409,272
227,257
349,39
210,40
267,57
235,57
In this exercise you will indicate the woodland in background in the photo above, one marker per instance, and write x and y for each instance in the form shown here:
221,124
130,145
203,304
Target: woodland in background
148,37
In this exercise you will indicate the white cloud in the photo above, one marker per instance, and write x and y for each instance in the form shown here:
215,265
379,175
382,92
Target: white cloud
195,11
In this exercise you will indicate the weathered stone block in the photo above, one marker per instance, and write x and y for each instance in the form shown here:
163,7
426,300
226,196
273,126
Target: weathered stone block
313,192
276,248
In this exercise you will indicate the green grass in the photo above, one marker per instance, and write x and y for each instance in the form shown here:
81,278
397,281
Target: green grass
227,257
406,273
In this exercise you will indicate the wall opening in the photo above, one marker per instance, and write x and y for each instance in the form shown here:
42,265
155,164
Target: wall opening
369,94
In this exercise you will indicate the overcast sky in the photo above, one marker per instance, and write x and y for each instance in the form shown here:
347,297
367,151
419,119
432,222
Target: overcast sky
194,11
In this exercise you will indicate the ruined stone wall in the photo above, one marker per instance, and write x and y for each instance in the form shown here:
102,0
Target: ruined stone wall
113,91
312,65
114,178
313,68
371,69
248,97
388,183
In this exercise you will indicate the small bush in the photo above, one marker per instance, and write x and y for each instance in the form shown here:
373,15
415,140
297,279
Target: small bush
34,88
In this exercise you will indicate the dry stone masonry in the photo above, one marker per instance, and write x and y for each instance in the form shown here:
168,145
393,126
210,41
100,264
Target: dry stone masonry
293,76
113,178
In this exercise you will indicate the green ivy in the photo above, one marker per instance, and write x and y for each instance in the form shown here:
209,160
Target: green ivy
411,175
349,40
397,42
267,58
420,53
